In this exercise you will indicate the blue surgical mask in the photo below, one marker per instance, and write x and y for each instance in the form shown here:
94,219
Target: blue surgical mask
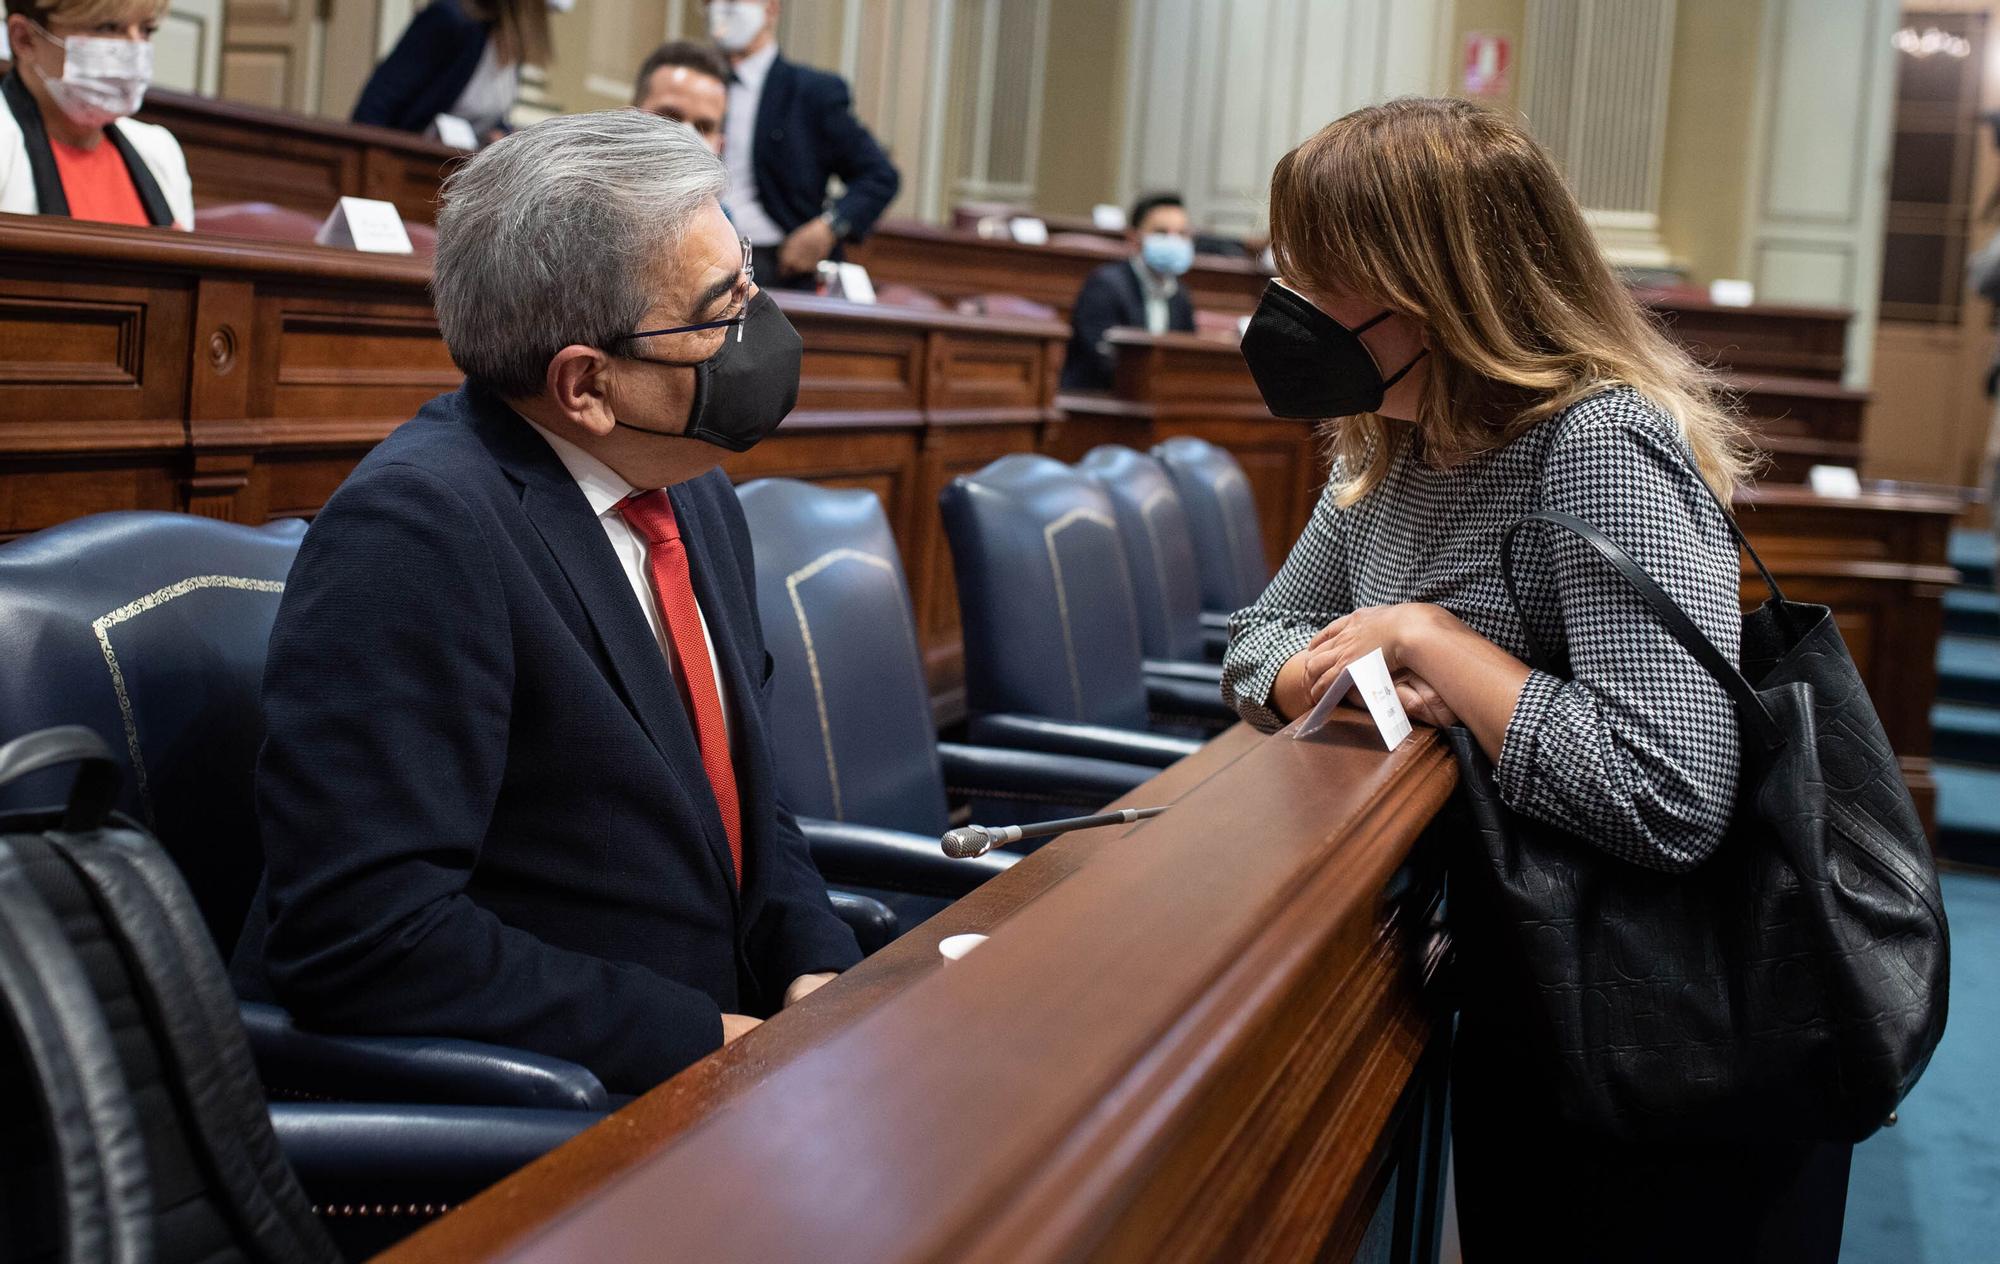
1167,253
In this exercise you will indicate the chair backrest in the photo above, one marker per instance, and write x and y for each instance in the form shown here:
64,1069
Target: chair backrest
895,294
1043,594
1005,305
1159,548
151,629
135,1126
856,740
1222,513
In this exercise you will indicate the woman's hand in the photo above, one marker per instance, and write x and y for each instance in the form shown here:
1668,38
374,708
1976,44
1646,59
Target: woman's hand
1395,630
1422,702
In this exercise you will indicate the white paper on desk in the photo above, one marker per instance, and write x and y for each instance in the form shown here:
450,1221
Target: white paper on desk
369,224
855,285
1028,230
1369,674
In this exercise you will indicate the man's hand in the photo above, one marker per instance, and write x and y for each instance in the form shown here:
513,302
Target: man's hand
809,243
805,985
734,1025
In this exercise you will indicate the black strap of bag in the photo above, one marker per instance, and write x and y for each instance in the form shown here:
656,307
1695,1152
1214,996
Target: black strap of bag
1749,706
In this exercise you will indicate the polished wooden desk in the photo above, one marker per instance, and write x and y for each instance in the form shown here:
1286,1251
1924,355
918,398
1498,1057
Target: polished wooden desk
243,153
1772,338
243,379
1800,422
954,263
1196,1038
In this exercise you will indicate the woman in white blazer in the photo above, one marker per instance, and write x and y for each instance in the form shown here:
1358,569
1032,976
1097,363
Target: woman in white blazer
68,145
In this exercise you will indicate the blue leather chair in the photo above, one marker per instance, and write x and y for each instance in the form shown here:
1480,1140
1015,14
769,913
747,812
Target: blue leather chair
1222,513
1052,654
1160,554
858,760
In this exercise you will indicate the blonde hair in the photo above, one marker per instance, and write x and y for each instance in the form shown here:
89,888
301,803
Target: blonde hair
1451,213
86,12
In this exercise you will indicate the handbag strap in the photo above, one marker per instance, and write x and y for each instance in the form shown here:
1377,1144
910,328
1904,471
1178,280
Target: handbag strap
1668,611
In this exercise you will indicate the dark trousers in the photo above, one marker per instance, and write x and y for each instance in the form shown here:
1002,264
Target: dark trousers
1530,1189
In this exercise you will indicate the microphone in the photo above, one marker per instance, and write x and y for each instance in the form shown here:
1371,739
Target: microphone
976,840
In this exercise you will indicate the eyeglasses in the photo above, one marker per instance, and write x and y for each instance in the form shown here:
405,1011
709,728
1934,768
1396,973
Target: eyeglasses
743,282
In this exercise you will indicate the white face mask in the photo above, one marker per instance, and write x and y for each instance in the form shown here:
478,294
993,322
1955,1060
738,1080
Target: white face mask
735,24
103,80
561,6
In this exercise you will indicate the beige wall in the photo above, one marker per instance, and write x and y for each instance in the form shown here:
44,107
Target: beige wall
1498,17
1083,106
1706,169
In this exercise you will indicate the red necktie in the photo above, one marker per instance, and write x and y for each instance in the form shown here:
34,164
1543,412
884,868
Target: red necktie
651,514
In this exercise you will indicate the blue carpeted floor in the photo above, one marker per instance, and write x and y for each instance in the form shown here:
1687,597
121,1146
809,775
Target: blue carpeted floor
1928,1190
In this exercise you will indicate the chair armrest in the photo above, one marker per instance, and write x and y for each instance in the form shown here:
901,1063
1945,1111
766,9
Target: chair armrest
1185,669
891,860
1215,642
1197,700
350,1152
430,1069
973,770
874,923
1094,741
1217,619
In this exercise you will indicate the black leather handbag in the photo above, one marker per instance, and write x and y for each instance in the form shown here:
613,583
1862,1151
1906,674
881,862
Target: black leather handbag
1793,985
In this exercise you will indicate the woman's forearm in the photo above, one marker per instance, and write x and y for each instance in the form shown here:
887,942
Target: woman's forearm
1477,679
1289,696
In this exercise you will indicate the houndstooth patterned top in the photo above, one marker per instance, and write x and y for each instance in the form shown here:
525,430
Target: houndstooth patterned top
1625,740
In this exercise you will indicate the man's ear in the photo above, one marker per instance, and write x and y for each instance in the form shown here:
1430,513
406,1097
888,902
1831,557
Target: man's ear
578,381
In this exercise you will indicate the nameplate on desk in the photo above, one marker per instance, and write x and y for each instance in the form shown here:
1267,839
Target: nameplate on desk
1108,218
365,224
1369,676
855,285
1731,293
1837,481
454,131
1028,230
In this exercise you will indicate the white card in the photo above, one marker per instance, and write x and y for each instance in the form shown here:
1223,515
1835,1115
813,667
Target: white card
1369,673
1028,230
1731,293
1838,481
365,224
855,286
1108,218
455,131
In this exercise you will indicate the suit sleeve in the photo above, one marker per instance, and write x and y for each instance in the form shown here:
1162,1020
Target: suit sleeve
408,68
387,698
855,156
1095,313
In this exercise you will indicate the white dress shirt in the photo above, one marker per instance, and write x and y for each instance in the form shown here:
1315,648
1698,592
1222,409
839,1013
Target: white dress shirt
603,488
489,94
739,149
1157,291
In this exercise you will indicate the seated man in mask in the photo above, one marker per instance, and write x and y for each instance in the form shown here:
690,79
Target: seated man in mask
516,784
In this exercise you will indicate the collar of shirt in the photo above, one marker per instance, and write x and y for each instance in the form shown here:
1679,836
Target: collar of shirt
600,484
1153,285
751,71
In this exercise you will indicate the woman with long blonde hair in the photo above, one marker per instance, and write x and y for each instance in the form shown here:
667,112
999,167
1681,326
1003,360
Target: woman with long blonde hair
1445,312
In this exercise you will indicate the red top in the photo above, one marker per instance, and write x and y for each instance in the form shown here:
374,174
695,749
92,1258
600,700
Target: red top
97,184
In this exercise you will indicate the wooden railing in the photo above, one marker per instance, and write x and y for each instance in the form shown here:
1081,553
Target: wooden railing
1201,1037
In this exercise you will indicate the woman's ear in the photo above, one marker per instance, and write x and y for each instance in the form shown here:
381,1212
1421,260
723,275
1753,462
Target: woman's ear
578,384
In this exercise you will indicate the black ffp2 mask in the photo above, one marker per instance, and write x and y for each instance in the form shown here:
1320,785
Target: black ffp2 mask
1308,365
744,390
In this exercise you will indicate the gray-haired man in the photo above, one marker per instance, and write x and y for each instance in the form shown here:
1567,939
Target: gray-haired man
517,783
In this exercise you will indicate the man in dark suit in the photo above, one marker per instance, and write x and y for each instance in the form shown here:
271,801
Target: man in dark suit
790,129
516,783
1143,292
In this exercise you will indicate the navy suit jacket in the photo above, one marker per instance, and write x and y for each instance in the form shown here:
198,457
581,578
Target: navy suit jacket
1111,298
806,132
481,803
423,75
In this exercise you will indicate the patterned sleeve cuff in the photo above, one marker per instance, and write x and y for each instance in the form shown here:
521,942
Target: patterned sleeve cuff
1250,692
1515,774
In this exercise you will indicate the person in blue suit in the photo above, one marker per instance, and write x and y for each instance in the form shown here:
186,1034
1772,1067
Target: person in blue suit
1142,292
790,129
516,782
458,57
